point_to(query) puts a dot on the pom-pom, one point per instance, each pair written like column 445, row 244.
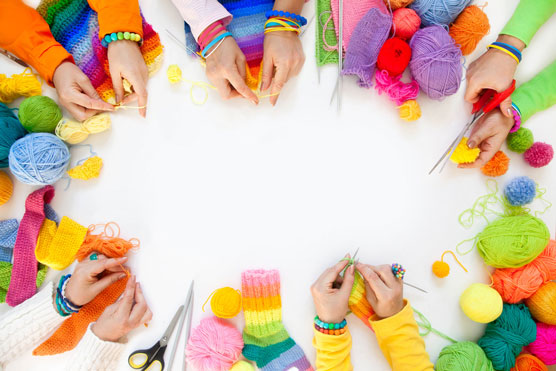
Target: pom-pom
column 544, row 347
column 405, row 23
column 463, row 154
column 520, row 191
column 520, row 141
column 435, row 62
column 87, row 170
column 10, row 131
column 173, row 73
column 440, row 269
column 39, row 114
column 397, row 4
column 528, row 362
column 242, row 366
column 439, row 12
column 214, row 345
column 6, row 188
column 481, row 303
column 24, row 84
column 463, row 356
column 394, row 56
column 410, row 110
column 469, row 28
column 498, row 165
column 539, row 155
column 542, row 304
column 397, row 90
column 225, row 302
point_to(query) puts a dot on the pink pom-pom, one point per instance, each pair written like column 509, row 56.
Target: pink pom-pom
column 397, row 91
column 405, row 22
column 214, row 345
column 544, row 347
column 539, row 155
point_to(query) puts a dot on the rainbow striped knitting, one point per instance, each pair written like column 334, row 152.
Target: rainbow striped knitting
column 266, row 340
column 75, row 25
column 358, row 303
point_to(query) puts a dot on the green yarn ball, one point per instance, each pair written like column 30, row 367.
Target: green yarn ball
column 512, row 241
column 463, row 356
column 39, row 114
column 520, row 141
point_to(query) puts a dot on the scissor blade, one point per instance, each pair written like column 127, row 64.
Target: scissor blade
column 415, row 287
column 180, row 326
column 171, row 326
column 188, row 332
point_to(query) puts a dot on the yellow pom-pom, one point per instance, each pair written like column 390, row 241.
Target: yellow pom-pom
column 410, row 110
column 440, row 269
column 463, row 154
column 242, row 366
column 6, row 188
column 24, row 84
column 226, row 302
column 481, row 303
column 88, row 170
column 174, row 73
column 97, row 123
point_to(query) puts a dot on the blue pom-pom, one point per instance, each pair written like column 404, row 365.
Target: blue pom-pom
column 520, row 191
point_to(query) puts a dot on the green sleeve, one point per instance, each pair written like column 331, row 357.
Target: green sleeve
column 537, row 94
column 528, row 17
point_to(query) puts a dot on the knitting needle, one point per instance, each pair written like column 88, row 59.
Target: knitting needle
column 415, row 287
column 340, row 54
column 181, row 44
column 187, row 308
column 188, row 329
column 399, row 272
column 307, row 25
column 13, row 58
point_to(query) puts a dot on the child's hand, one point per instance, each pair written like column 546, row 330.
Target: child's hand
column 226, row 70
column 118, row 319
column 76, row 93
column 384, row 291
column 126, row 62
column 488, row 134
column 283, row 59
column 90, row 277
column 331, row 293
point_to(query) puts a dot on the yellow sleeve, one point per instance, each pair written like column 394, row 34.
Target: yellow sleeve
column 333, row 352
column 399, row 340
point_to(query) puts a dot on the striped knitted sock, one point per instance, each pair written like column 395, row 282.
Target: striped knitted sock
column 266, row 340
column 358, row 303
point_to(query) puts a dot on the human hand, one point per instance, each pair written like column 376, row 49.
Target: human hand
column 118, row 319
column 383, row 290
column 76, row 93
column 90, row 277
column 282, row 60
column 331, row 292
column 488, row 134
column 126, row 62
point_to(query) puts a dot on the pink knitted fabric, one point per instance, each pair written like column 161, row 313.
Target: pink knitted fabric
column 354, row 10
column 24, row 272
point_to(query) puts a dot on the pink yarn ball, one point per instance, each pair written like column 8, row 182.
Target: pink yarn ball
column 405, row 22
column 214, row 345
column 544, row 347
column 539, row 155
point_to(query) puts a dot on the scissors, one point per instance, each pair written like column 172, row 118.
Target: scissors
column 489, row 100
column 153, row 359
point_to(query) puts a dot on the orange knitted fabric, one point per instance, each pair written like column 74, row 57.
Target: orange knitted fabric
column 498, row 165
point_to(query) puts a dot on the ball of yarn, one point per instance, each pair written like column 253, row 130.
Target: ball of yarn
column 6, row 188
column 528, row 362
column 481, row 303
column 74, row 132
column 214, row 345
column 242, row 366
column 435, row 62
column 10, row 131
column 410, row 110
column 507, row 335
column 440, row 269
column 520, row 191
column 544, row 347
column 394, row 56
column 469, row 28
column 226, row 302
column 497, row 166
column 39, row 114
column 520, row 141
column 397, row 4
column 439, row 12
column 540, row 154
column 24, row 84
column 512, row 241
column 463, row 356
column 405, row 23
column 39, row 159
column 173, row 73
column 542, row 304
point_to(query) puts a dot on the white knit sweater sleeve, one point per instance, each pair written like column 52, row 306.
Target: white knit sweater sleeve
column 200, row 14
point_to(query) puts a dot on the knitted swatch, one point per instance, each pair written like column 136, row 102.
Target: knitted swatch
column 354, row 10
column 266, row 340
column 358, row 303
column 75, row 25
column 6, row 273
column 24, row 272
column 326, row 41
column 367, row 39
column 8, row 234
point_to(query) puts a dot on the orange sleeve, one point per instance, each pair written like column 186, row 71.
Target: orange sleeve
column 26, row 34
column 118, row 16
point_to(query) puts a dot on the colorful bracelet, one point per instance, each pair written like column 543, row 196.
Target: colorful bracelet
column 508, row 49
column 115, row 36
column 278, row 13
column 209, row 33
column 398, row 271
column 63, row 305
column 218, row 39
column 330, row 328
column 281, row 24
column 517, row 118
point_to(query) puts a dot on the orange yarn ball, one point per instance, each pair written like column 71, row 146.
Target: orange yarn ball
column 396, row 4
column 440, row 269
column 469, row 28
column 542, row 304
column 6, row 188
column 528, row 362
column 405, row 22
column 498, row 165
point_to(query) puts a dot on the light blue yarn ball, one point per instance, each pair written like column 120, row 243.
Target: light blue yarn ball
column 39, row 159
column 520, row 191
column 440, row 12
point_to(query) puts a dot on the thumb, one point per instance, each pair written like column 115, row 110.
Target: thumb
column 506, row 106
column 478, row 135
column 349, row 277
column 268, row 69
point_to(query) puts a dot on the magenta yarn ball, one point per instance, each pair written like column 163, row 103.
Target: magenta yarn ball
column 539, row 155
column 405, row 22
column 544, row 347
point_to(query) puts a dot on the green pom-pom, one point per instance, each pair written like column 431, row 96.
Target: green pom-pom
column 520, row 141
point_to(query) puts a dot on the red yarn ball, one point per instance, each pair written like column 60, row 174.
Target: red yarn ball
column 394, row 56
column 539, row 155
column 405, row 22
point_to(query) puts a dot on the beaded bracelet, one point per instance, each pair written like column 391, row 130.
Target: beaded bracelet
column 72, row 306
column 330, row 328
column 517, row 118
column 508, row 49
column 115, row 36
column 63, row 305
column 278, row 13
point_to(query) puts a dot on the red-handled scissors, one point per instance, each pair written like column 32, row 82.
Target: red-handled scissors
column 489, row 100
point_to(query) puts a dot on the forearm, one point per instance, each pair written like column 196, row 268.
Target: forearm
column 118, row 16
column 333, row 351
column 199, row 14
column 528, row 17
column 537, row 94
column 292, row 6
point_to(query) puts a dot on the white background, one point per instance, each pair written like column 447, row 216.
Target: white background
column 217, row 189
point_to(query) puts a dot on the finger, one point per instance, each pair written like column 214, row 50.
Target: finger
column 506, row 106
column 126, row 303
column 239, row 84
column 118, row 85
column 485, row 156
column 99, row 266
column 347, row 283
column 331, row 274
column 108, row 280
column 278, row 84
column 140, row 307
column 375, row 282
column 99, row 256
column 268, row 72
column 480, row 133
column 385, row 273
column 77, row 112
column 140, row 88
column 473, row 91
column 91, row 92
column 87, row 102
column 224, row 88
column 370, row 294
column 147, row 316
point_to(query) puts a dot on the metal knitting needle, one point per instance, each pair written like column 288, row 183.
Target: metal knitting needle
column 13, row 58
column 177, row 41
column 415, row 287
column 188, row 328
column 340, row 54
column 307, row 25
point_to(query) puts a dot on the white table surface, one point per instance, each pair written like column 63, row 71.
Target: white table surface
column 217, row 189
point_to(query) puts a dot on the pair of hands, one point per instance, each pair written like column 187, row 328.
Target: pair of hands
column 331, row 291
column 80, row 98
column 90, row 278
column 282, row 60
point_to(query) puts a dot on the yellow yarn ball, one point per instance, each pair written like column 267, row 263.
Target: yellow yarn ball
column 410, row 110
column 174, row 73
column 440, row 269
column 74, row 132
column 6, row 188
column 88, row 170
column 98, row 123
column 242, row 366
column 226, row 302
column 463, row 154
column 481, row 303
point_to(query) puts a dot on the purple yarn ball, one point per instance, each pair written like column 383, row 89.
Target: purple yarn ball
column 435, row 62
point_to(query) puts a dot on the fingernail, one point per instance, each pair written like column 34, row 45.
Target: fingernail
column 471, row 144
column 509, row 112
column 254, row 102
column 121, row 276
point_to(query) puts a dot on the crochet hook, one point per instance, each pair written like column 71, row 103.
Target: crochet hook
column 13, row 58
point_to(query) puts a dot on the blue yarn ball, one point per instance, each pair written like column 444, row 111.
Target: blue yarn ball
column 440, row 12
column 520, row 191
column 10, row 131
column 39, row 159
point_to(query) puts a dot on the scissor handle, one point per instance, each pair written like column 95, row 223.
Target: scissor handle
column 145, row 358
column 492, row 99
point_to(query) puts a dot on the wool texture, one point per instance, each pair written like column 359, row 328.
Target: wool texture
column 6, row 274
column 325, row 34
column 358, row 303
column 353, row 10
column 8, row 235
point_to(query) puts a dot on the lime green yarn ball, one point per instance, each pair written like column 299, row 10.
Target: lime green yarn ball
column 463, row 356
column 481, row 303
column 512, row 241
column 520, row 141
column 242, row 366
column 39, row 114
